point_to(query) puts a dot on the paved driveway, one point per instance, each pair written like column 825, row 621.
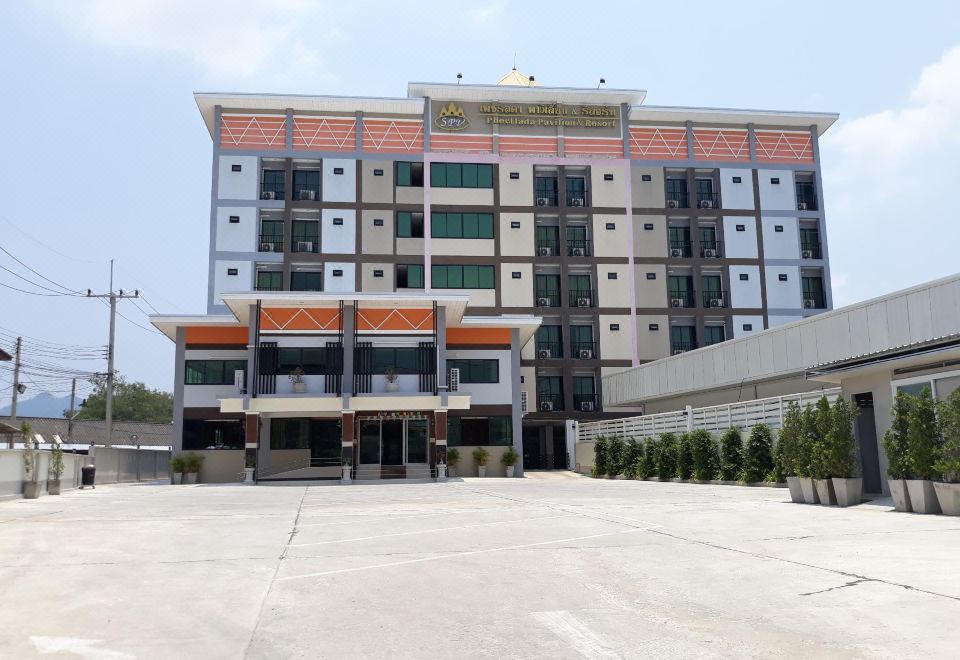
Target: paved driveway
column 572, row 568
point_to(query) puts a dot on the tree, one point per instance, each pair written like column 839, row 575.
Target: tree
column 790, row 442
column 667, row 456
column 601, row 457
column 758, row 456
column 731, row 454
column 632, row 455
column 895, row 438
column 684, row 456
column 923, row 436
column 647, row 462
column 841, row 445
column 616, row 451
column 705, row 457
column 820, row 422
column 132, row 402
column 949, row 463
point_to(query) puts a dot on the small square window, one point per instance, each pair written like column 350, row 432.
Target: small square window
column 515, row 224
column 231, row 271
column 611, row 225
column 378, row 173
column 514, row 175
column 338, row 170
column 744, row 277
column 654, row 327
column 778, row 229
column 651, row 276
column 648, row 226
column 234, row 219
column 748, row 327
column 338, row 273
column 378, row 273
column 646, row 177
column 782, row 277
column 521, row 380
column 775, row 180
column 611, row 276
column 338, row 221
column 516, row 275
column 378, row 222
column 236, row 167
column 608, row 177
column 737, row 179
column 614, row 327
column 741, row 228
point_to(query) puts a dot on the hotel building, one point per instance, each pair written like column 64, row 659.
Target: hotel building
column 494, row 249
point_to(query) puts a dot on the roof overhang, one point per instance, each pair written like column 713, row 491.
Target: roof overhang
column 519, row 94
column 168, row 323
column 527, row 325
column 761, row 118
column 945, row 350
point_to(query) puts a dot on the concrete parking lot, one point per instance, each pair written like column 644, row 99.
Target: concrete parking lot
column 530, row 568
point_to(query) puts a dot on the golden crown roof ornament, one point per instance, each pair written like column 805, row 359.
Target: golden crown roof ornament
column 451, row 110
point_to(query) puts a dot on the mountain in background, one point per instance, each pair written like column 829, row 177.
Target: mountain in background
column 42, row 405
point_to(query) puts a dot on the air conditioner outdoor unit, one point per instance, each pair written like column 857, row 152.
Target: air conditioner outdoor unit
column 583, row 302
column 801, row 206
column 268, row 194
column 544, row 251
column 453, row 381
column 546, row 406
column 577, row 252
column 706, row 204
column 716, row 302
column 586, row 406
column 576, row 201
column 676, row 252
column 266, row 247
column 523, row 401
column 544, row 353
column 308, row 195
column 672, row 204
column 709, row 253
column 676, row 302
column 806, row 254
column 542, row 201
column 585, row 354
column 809, row 303
column 240, row 379
column 543, row 302
column 304, row 246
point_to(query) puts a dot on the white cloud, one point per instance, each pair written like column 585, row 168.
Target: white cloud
column 890, row 188
column 241, row 40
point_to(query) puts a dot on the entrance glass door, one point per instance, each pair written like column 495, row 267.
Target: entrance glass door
column 370, row 442
column 417, row 441
column 392, row 442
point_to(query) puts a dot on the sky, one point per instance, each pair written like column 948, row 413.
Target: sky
column 105, row 155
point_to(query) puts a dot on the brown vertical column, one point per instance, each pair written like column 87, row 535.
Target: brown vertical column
column 251, row 439
column 439, row 444
column 346, row 436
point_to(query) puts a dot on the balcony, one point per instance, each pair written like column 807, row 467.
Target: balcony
column 584, row 350
column 682, row 299
column 549, row 402
column 548, row 247
column 678, row 347
column 549, row 350
column 677, row 200
column 270, row 243
column 806, row 196
column 306, row 192
column 810, row 251
column 581, row 298
column 586, row 403
column 547, row 298
column 812, row 300
column 547, row 198
column 680, row 249
column 305, row 243
column 579, row 247
column 708, row 200
column 271, row 190
column 711, row 249
column 578, row 198
column 714, row 299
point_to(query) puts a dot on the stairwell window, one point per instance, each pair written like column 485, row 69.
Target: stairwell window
column 462, row 277
column 409, row 175
column 461, row 225
column 461, row 175
column 409, row 225
column 410, row 276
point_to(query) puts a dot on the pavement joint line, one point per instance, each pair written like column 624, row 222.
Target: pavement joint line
column 851, row 583
column 456, row 555
column 426, row 531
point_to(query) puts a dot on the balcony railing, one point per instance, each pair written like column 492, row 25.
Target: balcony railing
column 814, row 301
column 548, row 248
column 810, row 251
column 677, row 200
column 678, row 347
column 584, row 350
column 578, row 199
column 581, row 298
column 711, row 249
column 586, row 403
column 549, row 402
column 306, row 192
column 305, row 244
column 806, row 196
column 547, row 298
column 546, row 198
column 579, row 247
column 714, row 299
column 681, row 249
column 682, row 298
column 708, row 200
column 270, row 244
column 549, row 350
column 271, row 190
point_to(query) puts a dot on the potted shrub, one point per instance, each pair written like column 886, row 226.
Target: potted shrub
column 31, row 464
column 631, row 458
column 453, row 458
column 480, row 457
column 644, row 469
column 684, row 457
column 191, row 467
column 390, row 377
column 345, row 470
column 789, row 442
column 55, row 471
column 509, row 460
column 819, row 467
column 616, row 450
column 842, row 454
column 704, row 455
column 296, row 378
column 666, row 454
column 923, row 439
column 807, row 439
column 758, row 454
column 948, row 490
column 731, row 455
column 895, row 447
column 177, row 465
column 600, row 457
column 249, row 468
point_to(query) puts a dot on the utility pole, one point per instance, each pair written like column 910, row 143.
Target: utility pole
column 73, row 399
column 16, row 390
column 114, row 297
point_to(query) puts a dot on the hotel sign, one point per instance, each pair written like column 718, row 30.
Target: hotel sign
column 453, row 116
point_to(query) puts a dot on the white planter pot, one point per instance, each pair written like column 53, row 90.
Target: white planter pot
column 510, row 469
column 345, row 475
column 809, row 491
column 796, row 492
column 392, row 387
column 848, row 490
column 248, row 475
column 923, row 497
column 899, row 494
column 948, row 495
column 441, row 472
column 189, row 477
column 825, row 492
column 299, row 388
column 178, row 478
column 481, row 470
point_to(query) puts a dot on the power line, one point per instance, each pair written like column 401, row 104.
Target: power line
column 34, row 293
column 39, row 274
